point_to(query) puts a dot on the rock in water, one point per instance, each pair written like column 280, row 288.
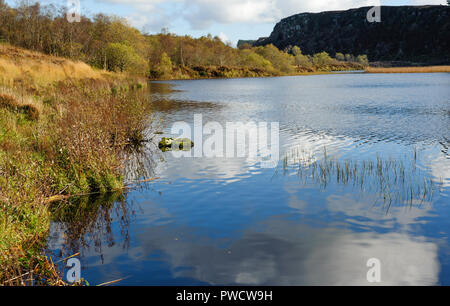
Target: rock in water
column 168, row 144
column 165, row 142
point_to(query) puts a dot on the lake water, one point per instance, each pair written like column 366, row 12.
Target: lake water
column 364, row 173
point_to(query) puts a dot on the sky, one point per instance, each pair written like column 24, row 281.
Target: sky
column 231, row 20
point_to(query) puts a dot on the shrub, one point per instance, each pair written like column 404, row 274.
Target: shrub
column 322, row 60
column 280, row 60
column 165, row 65
column 349, row 58
column 363, row 60
column 296, row 51
column 121, row 57
column 340, row 57
column 250, row 59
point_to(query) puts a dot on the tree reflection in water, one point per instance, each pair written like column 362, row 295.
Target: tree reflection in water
column 85, row 222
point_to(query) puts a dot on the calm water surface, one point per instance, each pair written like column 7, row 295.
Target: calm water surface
column 217, row 221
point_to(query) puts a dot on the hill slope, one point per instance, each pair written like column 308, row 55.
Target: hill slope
column 407, row 33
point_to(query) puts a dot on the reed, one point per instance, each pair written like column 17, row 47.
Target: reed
column 428, row 69
column 392, row 180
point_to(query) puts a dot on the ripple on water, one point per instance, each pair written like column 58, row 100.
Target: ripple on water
column 228, row 221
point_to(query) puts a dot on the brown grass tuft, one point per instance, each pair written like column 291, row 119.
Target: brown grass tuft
column 26, row 105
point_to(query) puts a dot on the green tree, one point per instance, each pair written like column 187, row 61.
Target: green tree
column 250, row 59
column 301, row 61
column 296, row 51
column 282, row 61
column 349, row 58
column 165, row 67
column 362, row 59
column 120, row 57
column 340, row 57
column 322, row 60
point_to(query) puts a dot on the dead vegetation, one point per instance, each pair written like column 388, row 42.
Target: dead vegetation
column 18, row 65
column 21, row 104
column 428, row 69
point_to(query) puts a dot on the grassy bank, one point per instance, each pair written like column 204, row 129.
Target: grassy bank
column 428, row 69
column 63, row 128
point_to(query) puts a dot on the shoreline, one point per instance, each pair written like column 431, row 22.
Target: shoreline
column 423, row 69
column 368, row 70
column 259, row 77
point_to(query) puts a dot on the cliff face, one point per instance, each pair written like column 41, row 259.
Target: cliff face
column 408, row 33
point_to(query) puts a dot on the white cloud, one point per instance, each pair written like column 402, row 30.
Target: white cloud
column 224, row 37
column 201, row 14
column 429, row 2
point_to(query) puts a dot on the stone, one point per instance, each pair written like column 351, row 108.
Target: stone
column 169, row 144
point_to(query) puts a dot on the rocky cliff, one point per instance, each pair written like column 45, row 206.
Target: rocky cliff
column 406, row 33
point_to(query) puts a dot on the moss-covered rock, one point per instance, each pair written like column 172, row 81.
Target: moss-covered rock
column 169, row 144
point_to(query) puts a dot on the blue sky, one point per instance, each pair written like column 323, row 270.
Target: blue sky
column 229, row 19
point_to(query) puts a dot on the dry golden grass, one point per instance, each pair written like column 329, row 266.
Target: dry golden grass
column 428, row 69
column 9, row 99
column 36, row 68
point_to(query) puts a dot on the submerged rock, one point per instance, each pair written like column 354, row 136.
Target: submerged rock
column 169, row 144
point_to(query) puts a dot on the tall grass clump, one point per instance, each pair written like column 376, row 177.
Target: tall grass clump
column 95, row 130
column 392, row 180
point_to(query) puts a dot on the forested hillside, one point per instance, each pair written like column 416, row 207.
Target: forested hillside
column 110, row 43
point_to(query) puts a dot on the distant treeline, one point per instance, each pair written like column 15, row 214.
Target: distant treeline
column 110, row 43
